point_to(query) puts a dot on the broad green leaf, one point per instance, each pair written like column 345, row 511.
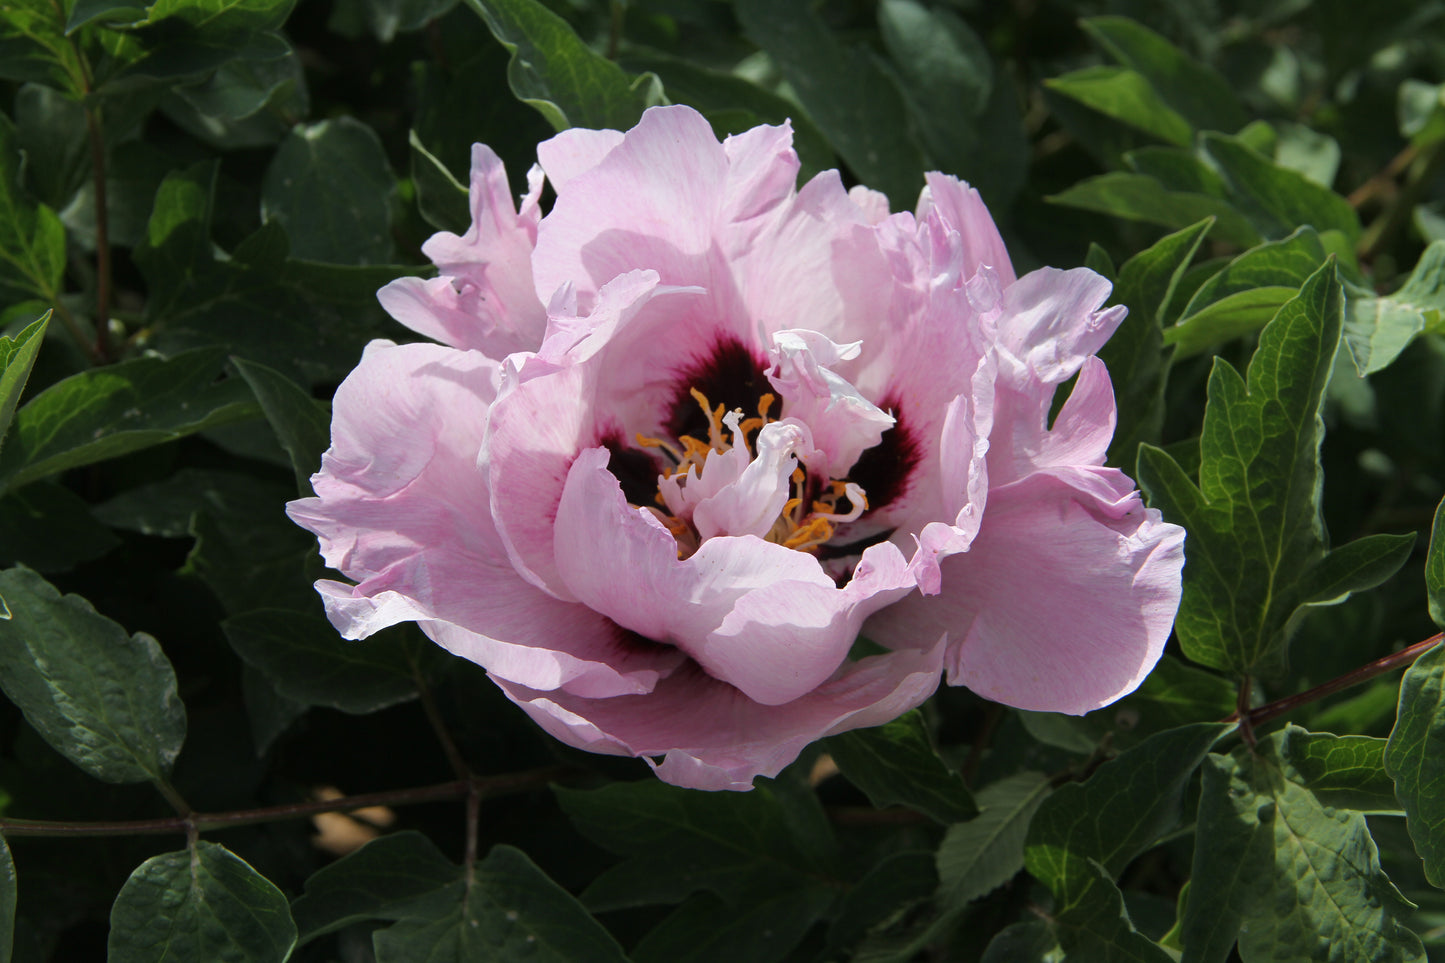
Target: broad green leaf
column 1258, row 552
column 1128, row 96
column 1276, row 200
column 1435, row 567
column 302, row 424
column 1126, row 805
column 1196, row 91
column 896, row 764
column 380, row 881
column 982, row 854
column 105, row 700
column 1415, row 757
column 32, row 239
column 1226, row 319
column 892, row 886
column 1029, row 942
column 164, row 508
column 49, row 528
column 1421, row 108
column 1378, row 329
column 84, row 12
column 251, row 555
column 1284, row 263
column 705, row 929
column 7, row 902
column 678, row 841
column 330, row 187
column 223, row 16
column 244, row 102
column 968, row 124
column 1285, row 873
column 511, row 912
column 1344, row 772
column 17, row 357
column 558, row 74
column 386, row 18
column 307, row 661
column 856, row 105
column 1139, row 197
column 119, row 409
column 33, row 46
column 440, row 198
column 1135, row 353
column 201, row 904
column 1097, row 926
column 50, row 130
column 306, row 319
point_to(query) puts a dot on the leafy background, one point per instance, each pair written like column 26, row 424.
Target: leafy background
column 198, row 200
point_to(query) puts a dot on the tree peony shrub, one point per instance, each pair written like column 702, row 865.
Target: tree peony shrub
column 690, row 433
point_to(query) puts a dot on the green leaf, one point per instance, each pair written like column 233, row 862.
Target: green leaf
column 1285, row 873
column 380, row 881
column 1125, row 95
column 893, row 885
column 968, row 123
column 307, row 661
column 251, row 555
column 7, row 902
column 982, row 854
column 1284, row 263
column 1378, row 329
column 1226, row 319
column 1031, row 942
column 32, row 239
column 1196, row 91
column 678, row 841
column 511, row 912
column 1127, row 804
column 1415, row 757
column 84, row 12
column 1276, row 200
column 302, row 424
column 705, row 929
column 387, row 18
column 17, row 357
column 896, row 764
column 1343, row 772
column 330, row 187
column 165, row 508
column 49, row 528
column 440, row 197
column 1435, row 567
column 856, row 105
column 1097, row 926
column 1135, row 353
column 33, row 46
column 1139, row 197
column 105, row 700
column 201, row 904
column 1258, row 552
column 558, row 74
column 119, row 409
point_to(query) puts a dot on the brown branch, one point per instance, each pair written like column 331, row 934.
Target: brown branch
column 1395, row 660
column 481, row 787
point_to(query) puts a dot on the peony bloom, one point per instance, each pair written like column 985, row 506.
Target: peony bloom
column 690, row 433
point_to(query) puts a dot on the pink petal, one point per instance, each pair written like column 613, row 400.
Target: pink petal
column 764, row 170
column 575, row 152
column 1064, row 601
column 714, row 737
column 401, row 507
column 963, row 211
column 484, row 298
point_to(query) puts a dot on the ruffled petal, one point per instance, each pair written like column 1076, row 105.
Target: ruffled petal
column 484, row 298
column 713, row 737
column 401, row 507
column 843, row 423
column 964, row 212
column 1064, row 601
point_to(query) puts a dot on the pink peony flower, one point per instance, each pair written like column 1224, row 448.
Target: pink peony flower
column 690, row 433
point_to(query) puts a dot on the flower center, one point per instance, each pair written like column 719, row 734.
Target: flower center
column 744, row 478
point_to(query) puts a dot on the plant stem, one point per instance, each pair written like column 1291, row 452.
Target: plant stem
column 1248, row 718
column 481, row 787
column 177, row 801
column 1422, row 167
column 434, row 716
